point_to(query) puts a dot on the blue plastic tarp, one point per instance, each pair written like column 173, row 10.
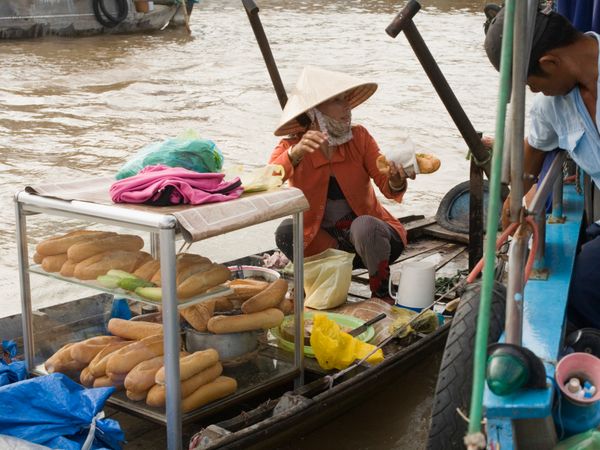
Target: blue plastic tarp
column 57, row 412
column 583, row 14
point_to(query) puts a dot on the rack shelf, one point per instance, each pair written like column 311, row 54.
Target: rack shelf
column 89, row 201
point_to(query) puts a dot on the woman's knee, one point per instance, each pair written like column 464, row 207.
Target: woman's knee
column 284, row 237
column 365, row 228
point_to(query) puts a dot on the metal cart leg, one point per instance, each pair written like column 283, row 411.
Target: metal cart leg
column 25, row 285
column 299, row 297
column 171, row 337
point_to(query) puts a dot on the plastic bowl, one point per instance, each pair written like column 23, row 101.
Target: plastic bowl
column 254, row 272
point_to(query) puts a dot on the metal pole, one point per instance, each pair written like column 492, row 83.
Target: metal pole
column 557, row 199
column 517, row 116
column 403, row 22
column 475, row 215
column 25, row 285
column 515, row 286
column 298, row 232
column 171, row 337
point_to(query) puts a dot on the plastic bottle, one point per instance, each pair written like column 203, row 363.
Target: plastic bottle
column 573, row 385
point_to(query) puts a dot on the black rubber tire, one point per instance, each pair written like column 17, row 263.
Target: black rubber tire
column 453, row 389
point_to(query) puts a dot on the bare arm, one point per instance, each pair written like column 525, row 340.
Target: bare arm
column 533, row 159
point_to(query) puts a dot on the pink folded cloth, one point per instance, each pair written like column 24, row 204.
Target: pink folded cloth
column 161, row 185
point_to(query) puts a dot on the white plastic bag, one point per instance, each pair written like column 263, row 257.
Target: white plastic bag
column 327, row 278
column 403, row 154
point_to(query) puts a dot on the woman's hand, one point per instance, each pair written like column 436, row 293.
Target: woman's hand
column 397, row 176
column 311, row 140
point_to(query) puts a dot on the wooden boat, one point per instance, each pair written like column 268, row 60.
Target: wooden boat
column 37, row 18
column 269, row 416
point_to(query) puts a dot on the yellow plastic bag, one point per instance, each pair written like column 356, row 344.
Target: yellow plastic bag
column 335, row 349
column 257, row 179
column 327, row 278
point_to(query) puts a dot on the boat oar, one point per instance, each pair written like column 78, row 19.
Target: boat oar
column 263, row 43
column 403, row 22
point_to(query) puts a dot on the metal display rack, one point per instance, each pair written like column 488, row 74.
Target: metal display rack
column 164, row 229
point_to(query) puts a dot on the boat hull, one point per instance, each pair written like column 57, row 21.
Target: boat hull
column 37, row 18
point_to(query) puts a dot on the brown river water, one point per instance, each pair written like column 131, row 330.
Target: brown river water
column 76, row 108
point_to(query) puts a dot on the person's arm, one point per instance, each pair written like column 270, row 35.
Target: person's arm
column 391, row 186
column 533, row 159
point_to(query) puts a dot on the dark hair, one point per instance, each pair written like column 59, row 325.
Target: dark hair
column 551, row 31
column 556, row 32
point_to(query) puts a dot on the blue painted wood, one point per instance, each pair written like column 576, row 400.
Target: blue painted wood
column 544, row 314
column 500, row 434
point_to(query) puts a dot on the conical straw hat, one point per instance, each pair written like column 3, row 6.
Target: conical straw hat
column 315, row 86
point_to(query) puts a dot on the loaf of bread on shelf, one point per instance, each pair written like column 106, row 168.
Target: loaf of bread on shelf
column 84, row 351
column 86, row 378
column 60, row 244
column 133, row 329
column 198, row 315
column 192, row 364
column 126, row 358
column 68, row 268
column 136, row 396
column 100, row 263
column 141, row 377
column 266, row 319
column 286, row 306
column 107, row 382
column 268, row 298
column 246, row 288
column 124, row 242
column 215, row 390
column 186, row 264
column 54, row 263
column 37, row 258
column 147, row 270
column 157, row 394
column 63, row 362
column 200, row 282
column 97, row 365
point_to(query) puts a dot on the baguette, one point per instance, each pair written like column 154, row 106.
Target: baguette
column 198, row 315
column 147, row 270
column 60, row 244
column 99, row 264
column 141, row 377
column 133, row 329
column 246, row 288
column 126, row 358
column 124, row 242
column 184, row 262
column 286, row 306
column 202, row 281
column 427, row 163
column 190, row 365
column 62, row 361
column 200, row 266
column 157, row 395
column 266, row 319
column 86, row 377
column 86, row 350
column 68, row 268
column 221, row 387
column 107, row 382
column 54, row 263
column 269, row 298
column 98, row 364
column 37, row 258
column 136, row 396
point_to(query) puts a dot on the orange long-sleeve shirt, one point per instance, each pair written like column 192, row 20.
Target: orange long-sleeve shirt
column 353, row 165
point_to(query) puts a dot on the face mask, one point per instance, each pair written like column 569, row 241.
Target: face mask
column 338, row 131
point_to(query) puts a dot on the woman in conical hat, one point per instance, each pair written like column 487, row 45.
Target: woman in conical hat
column 333, row 162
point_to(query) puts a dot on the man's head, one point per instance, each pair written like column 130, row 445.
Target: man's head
column 546, row 71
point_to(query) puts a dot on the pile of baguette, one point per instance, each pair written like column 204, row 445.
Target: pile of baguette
column 132, row 359
column 194, row 274
column 87, row 254
column 263, row 306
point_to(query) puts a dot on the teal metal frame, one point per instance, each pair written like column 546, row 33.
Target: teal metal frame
column 543, row 325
